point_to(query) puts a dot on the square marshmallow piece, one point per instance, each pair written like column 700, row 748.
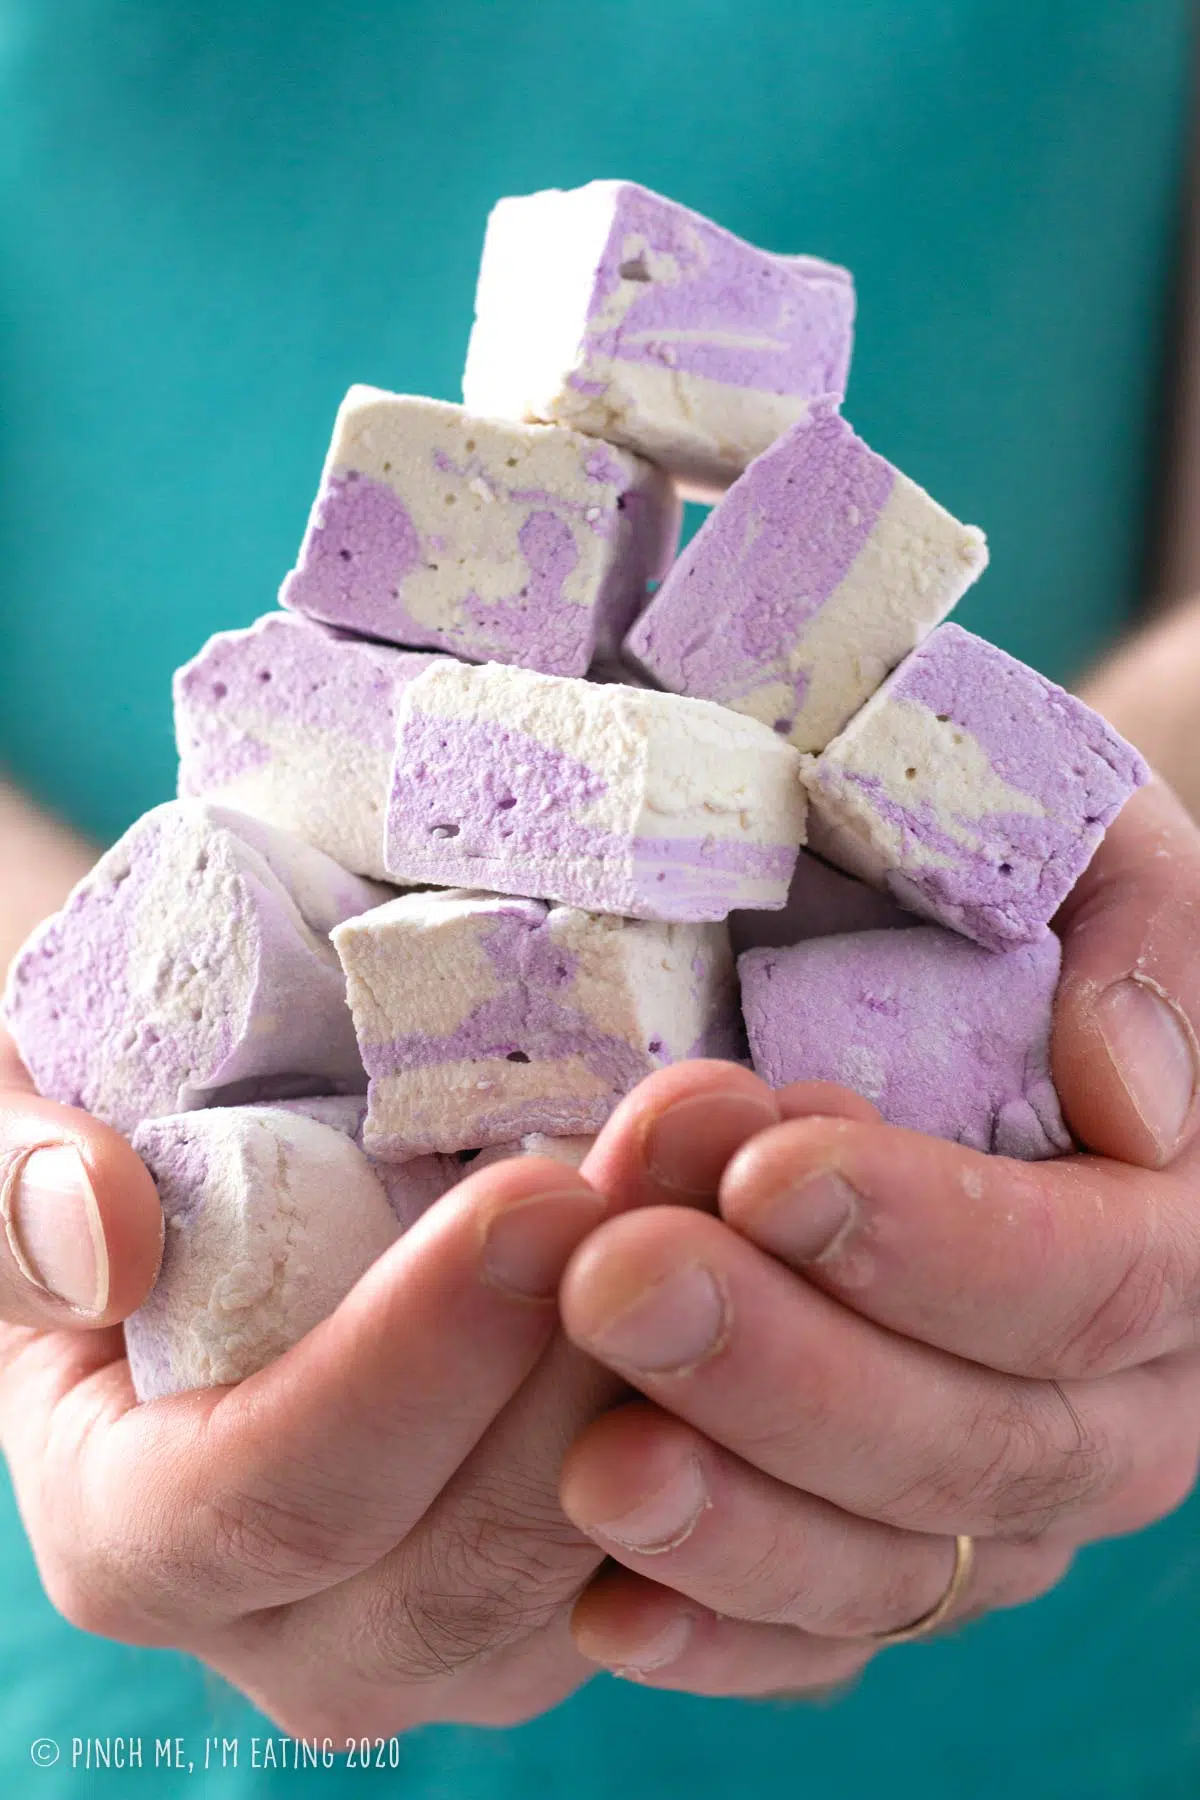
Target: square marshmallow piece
column 611, row 309
column 500, row 542
column 190, row 967
column 295, row 724
column 939, row 1034
column 972, row 789
column 614, row 799
column 815, row 575
column 482, row 1019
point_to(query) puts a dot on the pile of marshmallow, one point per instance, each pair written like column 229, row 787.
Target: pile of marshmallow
column 590, row 764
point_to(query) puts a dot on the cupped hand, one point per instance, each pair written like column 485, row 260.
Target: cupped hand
column 884, row 1341
column 365, row 1535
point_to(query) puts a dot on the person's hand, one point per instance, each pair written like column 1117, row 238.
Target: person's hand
column 886, row 1340
column 364, row 1536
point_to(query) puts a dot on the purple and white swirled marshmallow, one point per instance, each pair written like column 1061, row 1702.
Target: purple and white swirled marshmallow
column 612, row 309
column 942, row 1036
column 497, row 541
column 482, row 1019
column 814, row 576
column 271, row 1217
column 295, row 724
column 972, row 789
column 190, row 967
column 613, row 799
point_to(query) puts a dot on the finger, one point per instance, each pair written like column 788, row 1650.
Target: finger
column 648, row 1634
column 205, row 1505
column 672, row 1136
column 805, row 1390
column 672, row 1506
column 13, row 1073
column 1124, row 1047
column 670, row 1139
column 82, row 1225
column 1063, row 1269
column 824, row 1100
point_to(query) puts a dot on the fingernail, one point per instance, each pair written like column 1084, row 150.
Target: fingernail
column 658, row 1652
column 687, row 1146
column 670, row 1326
column 54, row 1228
column 665, row 1518
column 1153, row 1051
column 529, row 1243
column 665, row 1647
column 809, row 1223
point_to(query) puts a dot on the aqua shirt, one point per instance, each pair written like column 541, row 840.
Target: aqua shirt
column 214, row 220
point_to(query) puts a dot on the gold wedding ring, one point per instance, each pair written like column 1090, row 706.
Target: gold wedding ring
column 964, row 1557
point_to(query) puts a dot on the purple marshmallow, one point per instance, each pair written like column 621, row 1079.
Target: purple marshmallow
column 483, row 1019
column 942, row 1036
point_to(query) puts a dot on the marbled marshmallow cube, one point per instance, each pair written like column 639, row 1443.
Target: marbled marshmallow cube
column 191, row 967
column 972, row 789
column 495, row 540
column 942, row 1036
column 817, row 573
column 482, row 1018
column 270, row 1219
column 623, row 314
column 614, row 799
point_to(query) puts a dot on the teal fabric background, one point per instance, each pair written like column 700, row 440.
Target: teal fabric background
column 215, row 218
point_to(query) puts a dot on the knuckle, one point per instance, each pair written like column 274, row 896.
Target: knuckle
column 100, row 1586
column 85, row 1603
column 492, row 1580
column 1018, row 1466
column 1048, row 1463
column 257, row 1534
column 429, row 1631
column 781, row 1439
column 1125, row 1324
column 788, row 1578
